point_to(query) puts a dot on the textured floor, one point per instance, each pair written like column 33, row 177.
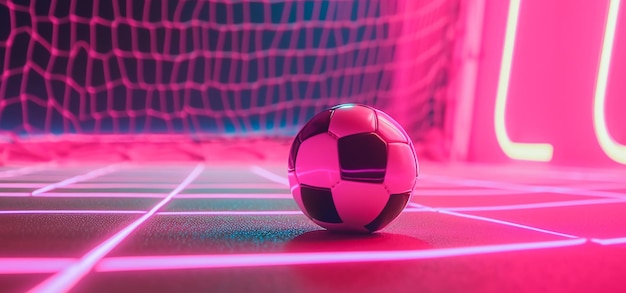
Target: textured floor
column 229, row 228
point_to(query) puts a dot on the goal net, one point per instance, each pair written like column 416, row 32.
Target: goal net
column 202, row 70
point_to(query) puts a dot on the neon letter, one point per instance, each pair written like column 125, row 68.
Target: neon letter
column 613, row 149
column 514, row 150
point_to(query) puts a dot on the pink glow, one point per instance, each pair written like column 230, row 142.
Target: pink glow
column 66, row 279
column 145, row 263
column 90, row 175
column 24, row 265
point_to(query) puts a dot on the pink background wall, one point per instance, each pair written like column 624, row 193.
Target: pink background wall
column 553, row 76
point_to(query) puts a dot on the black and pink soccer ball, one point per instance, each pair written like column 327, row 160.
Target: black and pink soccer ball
column 352, row 168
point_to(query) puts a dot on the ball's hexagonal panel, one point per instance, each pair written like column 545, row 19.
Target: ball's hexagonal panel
column 362, row 157
column 352, row 119
column 393, row 208
column 317, row 163
column 389, row 129
column 401, row 169
column 318, row 203
column 318, row 124
column 359, row 203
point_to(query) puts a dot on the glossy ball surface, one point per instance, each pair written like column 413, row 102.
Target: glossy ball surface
column 352, row 168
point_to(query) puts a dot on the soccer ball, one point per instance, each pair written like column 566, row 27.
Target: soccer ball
column 352, row 168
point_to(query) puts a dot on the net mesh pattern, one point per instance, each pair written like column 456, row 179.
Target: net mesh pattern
column 219, row 67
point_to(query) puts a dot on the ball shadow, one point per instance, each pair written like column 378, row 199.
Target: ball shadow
column 323, row 240
column 353, row 276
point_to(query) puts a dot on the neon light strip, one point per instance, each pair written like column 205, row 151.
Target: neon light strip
column 15, row 194
column 519, row 151
column 139, row 263
column 269, row 175
column 167, row 185
column 610, row 241
column 26, row 265
column 171, row 262
column 34, row 212
column 612, row 148
column 92, row 174
column 158, row 195
column 230, row 213
column 66, row 279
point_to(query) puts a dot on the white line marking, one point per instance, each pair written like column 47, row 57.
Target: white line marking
column 146, row 263
column 609, row 241
column 553, row 204
column 83, row 177
column 269, row 175
column 172, row 213
column 507, row 223
column 66, row 279
column 26, row 170
column 19, row 185
column 491, row 220
column 526, row 188
column 465, row 192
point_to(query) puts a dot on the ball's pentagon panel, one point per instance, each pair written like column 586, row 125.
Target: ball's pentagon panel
column 389, row 129
column 362, row 157
column 318, row 124
column 359, row 203
column 393, row 208
column 318, row 203
column 352, row 119
column 401, row 168
column 315, row 167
